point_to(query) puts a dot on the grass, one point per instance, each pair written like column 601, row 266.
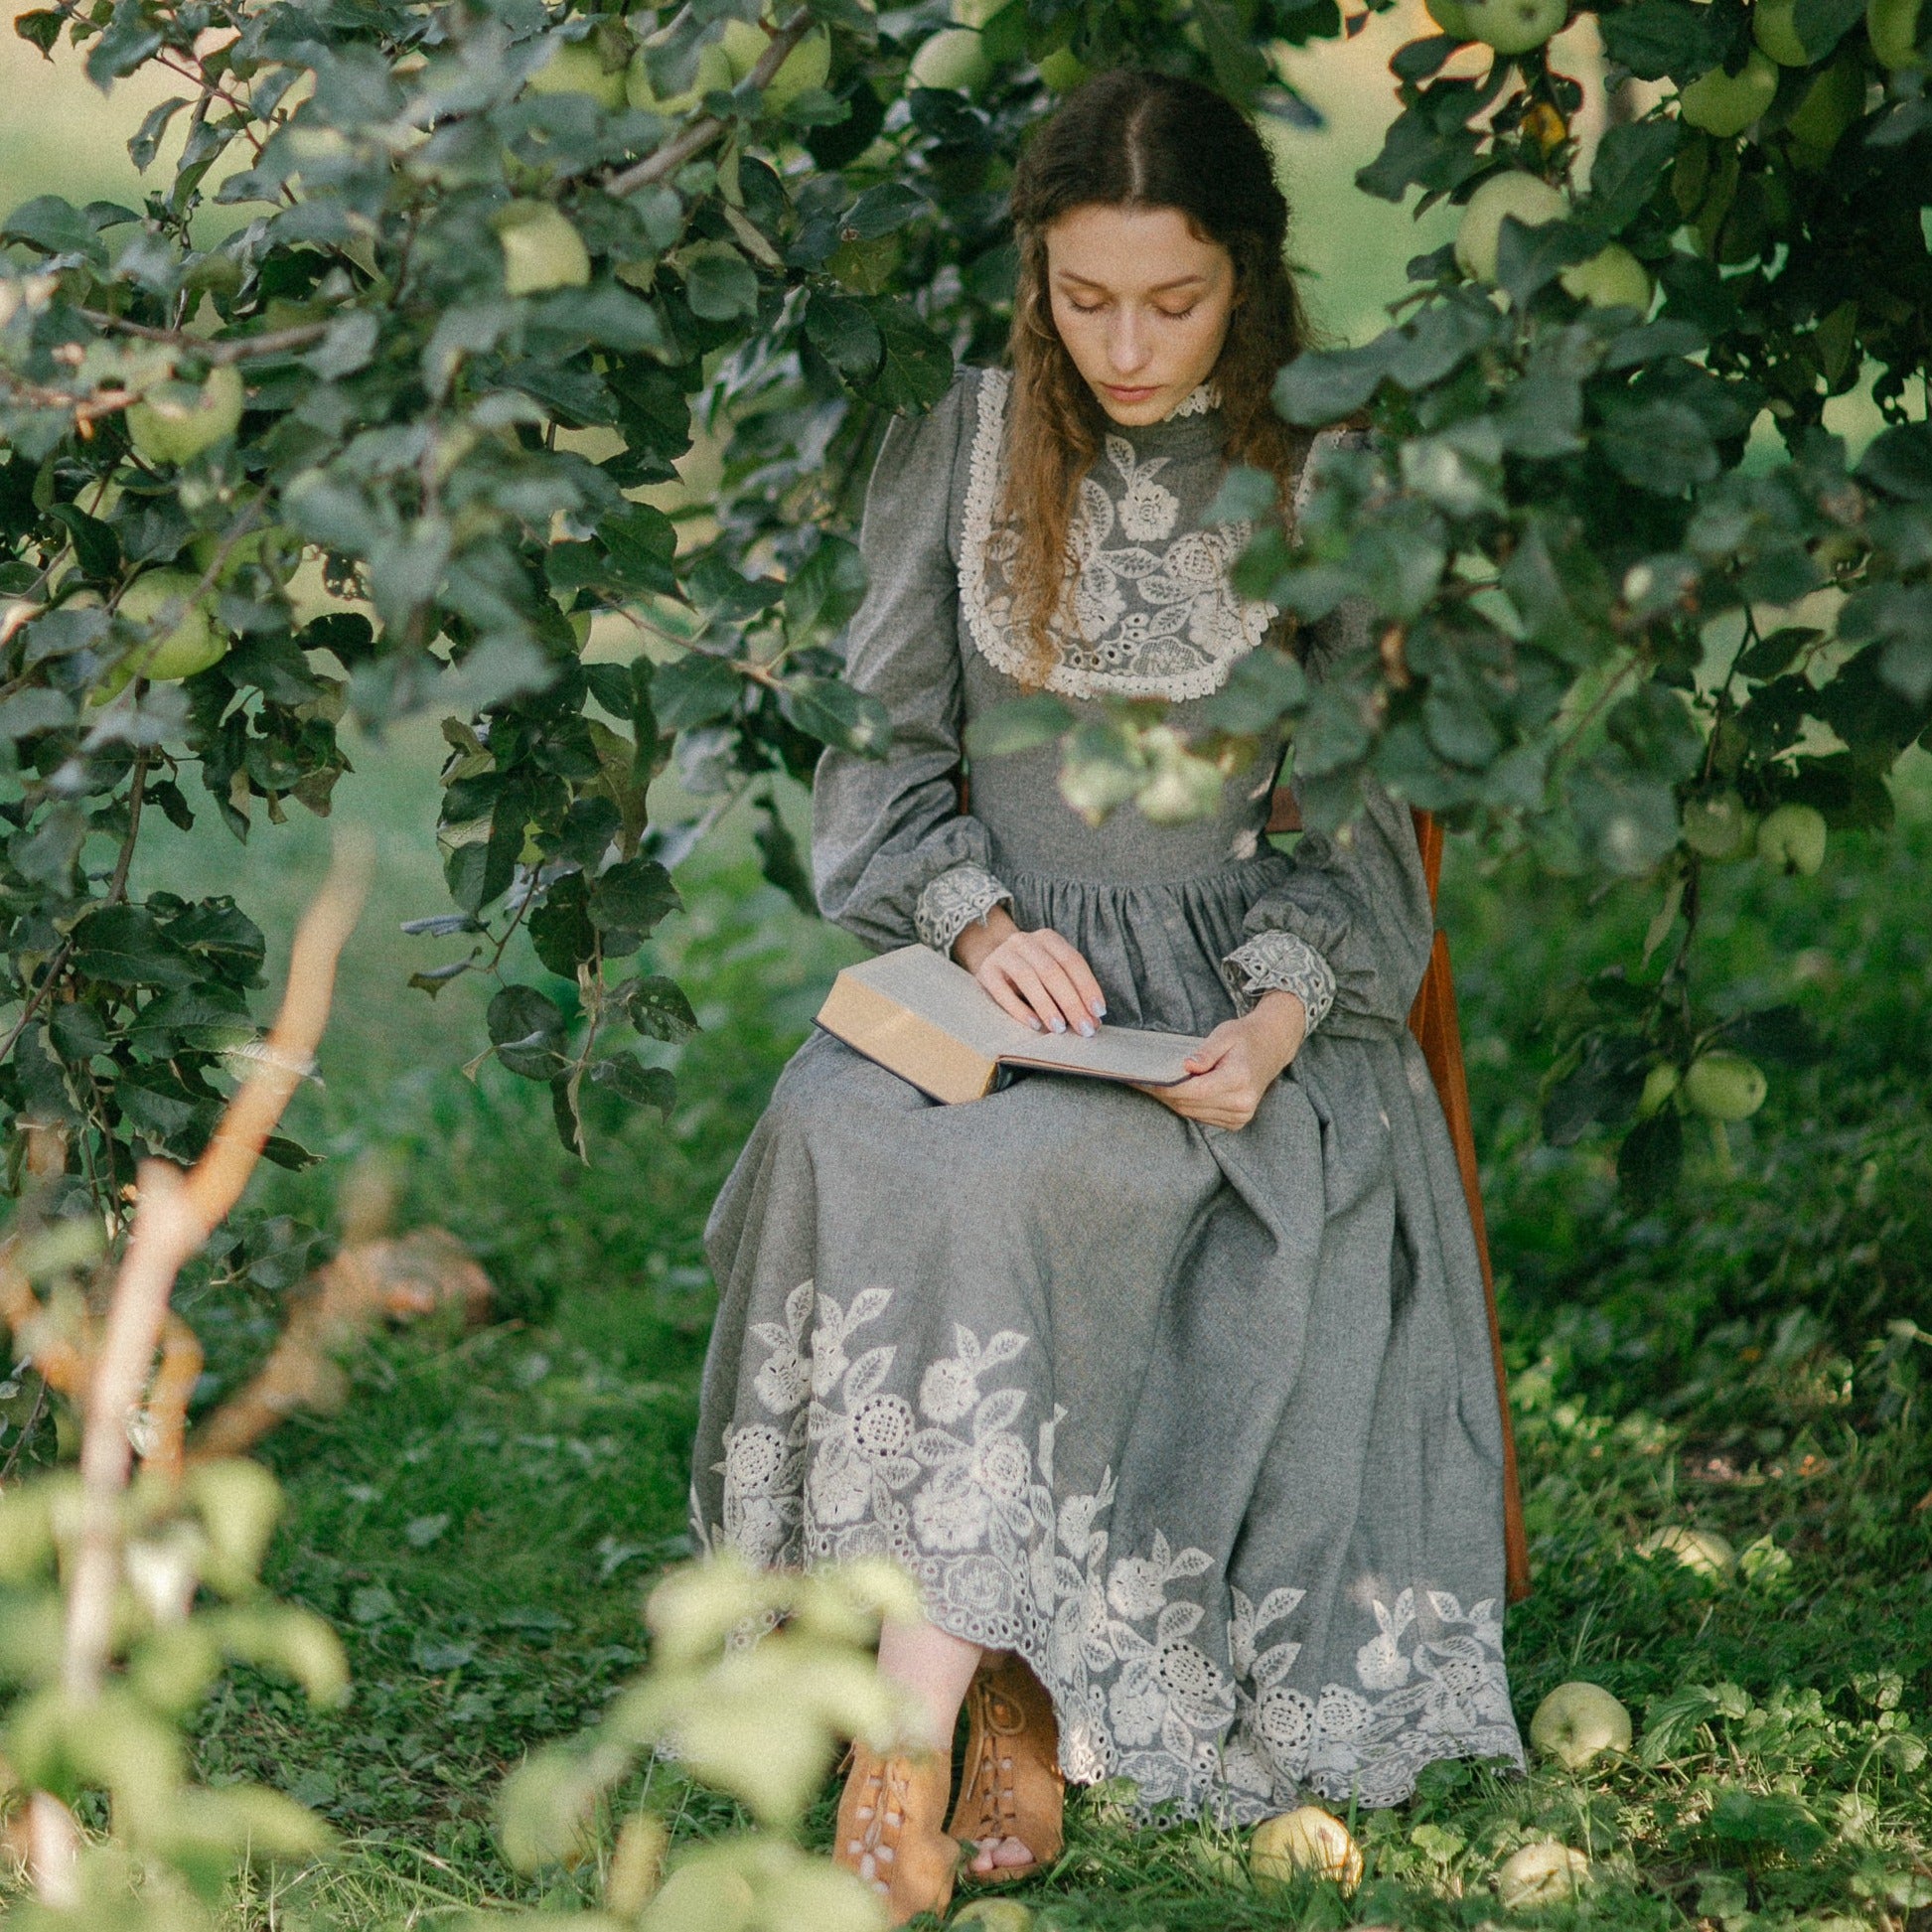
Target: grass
column 481, row 1515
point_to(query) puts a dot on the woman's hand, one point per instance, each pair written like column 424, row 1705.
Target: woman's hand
column 1038, row 977
column 1237, row 1063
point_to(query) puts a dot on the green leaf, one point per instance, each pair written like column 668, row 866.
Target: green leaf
column 126, row 946
column 561, row 934
column 1820, row 24
column 825, row 590
column 657, row 1007
column 720, row 283
column 830, row 710
column 632, row 897
column 779, row 860
column 693, row 690
column 1660, row 446
column 41, row 28
column 1898, row 461
column 881, row 211
column 95, row 546
column 1261, row 690
column 528, row 1030
column 915, row 365
column 844, row 334
column 1651, row 1160
column 1665, row 39
column 1323, row 385
column 146, row 143
column 55, row 228
column 629, row 1079
column 1018, row 725
column 1630, row 162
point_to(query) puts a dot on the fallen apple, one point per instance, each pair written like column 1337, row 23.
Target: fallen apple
column 993, row 1915
column 1725, row 1086
column 1307, row 1840
column 952, row 59
column 713, row 75
column 1545, row 1873
column 1792, row 839
column 1660, row 1084
column 1576, row 1723
column 1892, row 25
column 176, row 422
column 1774, row 27
column 541, row 250
column 1528, row 198
column 1728, row 103
column 1703, row 1551
column 1719, row 826
column 1514, row 26
column 191, row 642
column 1612, row 279
column 579, row 68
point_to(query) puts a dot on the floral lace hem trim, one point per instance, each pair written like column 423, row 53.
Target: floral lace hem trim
column 1280, row 962
column 954, row 901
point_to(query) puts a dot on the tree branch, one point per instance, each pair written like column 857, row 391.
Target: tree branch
column 693, row 139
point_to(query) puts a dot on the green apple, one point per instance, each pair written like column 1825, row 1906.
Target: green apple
column 1703, row 1551
column 579, row 68
column 953, row 57
column 1062, row 70
column 176, row 422
column 1452, row 16
column 1725, row 1086
column 806, row 66
column 1660, row 1084
column 1831, row 104
column 1892, row 27
column 1792, row 839
column 1719, row 826
column 1544, row 1873
column 191, row 645
column 1775, row 29
column 1307, row 1840
column 714, row 75
column 1514, row 26
column 1576, row 1721
column 975, row 13
column 992, row 1915
column 541, row 250
column 1529, row 198
column 1728, row 103
column 1612, row 279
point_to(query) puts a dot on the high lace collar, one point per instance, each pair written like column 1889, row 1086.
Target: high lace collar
column 1197, row 402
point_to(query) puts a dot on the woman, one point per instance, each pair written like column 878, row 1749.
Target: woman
column 1179, row 1403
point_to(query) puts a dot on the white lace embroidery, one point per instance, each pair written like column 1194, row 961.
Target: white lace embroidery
column 1280, row 963
column 1197, row 402
column 954, row 1489
column 1147, row 623
column 953, row 901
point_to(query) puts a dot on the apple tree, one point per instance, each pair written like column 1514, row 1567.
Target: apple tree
column 357, row 413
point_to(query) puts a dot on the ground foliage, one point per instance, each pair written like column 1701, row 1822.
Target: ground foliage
column 482, row 1517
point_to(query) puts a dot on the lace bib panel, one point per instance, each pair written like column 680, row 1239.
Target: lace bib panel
column 1155, row 615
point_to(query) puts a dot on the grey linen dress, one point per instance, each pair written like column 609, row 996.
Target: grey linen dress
column 1202, row 1423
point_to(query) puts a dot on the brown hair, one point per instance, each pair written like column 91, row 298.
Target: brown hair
column 1133, row 138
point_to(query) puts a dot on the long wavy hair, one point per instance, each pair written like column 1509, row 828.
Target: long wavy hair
column 1133, row 138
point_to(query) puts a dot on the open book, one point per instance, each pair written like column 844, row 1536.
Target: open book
column 931, row 1023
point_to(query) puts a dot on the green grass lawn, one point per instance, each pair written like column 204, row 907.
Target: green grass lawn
column 482, row 1516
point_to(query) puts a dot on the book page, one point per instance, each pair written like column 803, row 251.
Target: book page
column 950, row 997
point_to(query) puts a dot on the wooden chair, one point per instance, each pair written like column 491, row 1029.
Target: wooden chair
column 1432, row 1020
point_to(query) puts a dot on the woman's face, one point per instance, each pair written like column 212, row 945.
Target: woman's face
column 1141, row 301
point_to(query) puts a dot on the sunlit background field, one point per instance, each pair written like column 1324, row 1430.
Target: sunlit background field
column 481, row 1515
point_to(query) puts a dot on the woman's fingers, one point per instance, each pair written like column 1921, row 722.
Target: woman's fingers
column 1025, row 975
column 1086, row 987
column 1010, row 999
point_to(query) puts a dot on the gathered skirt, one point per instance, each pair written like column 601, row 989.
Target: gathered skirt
column 1200, row 1422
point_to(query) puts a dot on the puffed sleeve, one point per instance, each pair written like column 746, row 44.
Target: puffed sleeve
column 1351, row 928
column 894, row 858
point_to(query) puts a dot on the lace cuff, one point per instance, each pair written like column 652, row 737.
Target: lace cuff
column 1280, row 963
column 953, row 901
